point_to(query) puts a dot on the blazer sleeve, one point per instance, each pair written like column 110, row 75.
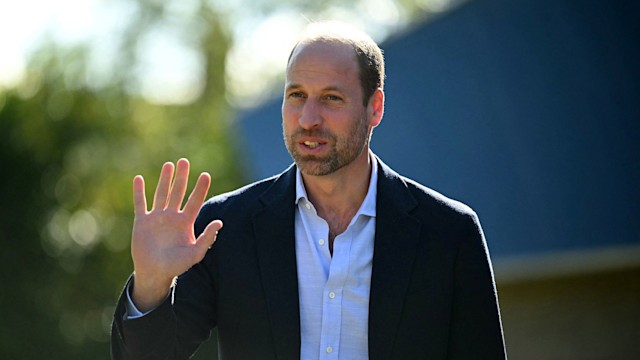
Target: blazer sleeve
column 174, row 330
column 476, row 330
column 147, row 337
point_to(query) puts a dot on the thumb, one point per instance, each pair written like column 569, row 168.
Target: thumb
column 208, row 236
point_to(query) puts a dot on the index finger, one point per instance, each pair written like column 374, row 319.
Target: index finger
column 139, row 197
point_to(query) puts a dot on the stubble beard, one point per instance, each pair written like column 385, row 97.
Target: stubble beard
column 343, row 150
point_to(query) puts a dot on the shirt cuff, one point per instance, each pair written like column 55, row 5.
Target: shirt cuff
column 132, row 310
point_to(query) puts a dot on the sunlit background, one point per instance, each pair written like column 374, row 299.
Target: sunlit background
column 169, row 63
column 94, row 92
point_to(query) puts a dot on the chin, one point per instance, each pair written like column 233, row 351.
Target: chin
column 315, row 167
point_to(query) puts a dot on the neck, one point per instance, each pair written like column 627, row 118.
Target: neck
column 338, row 196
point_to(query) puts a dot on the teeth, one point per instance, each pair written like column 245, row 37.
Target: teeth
column 311, row 144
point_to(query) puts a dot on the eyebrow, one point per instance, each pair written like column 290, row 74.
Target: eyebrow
column 294, row 86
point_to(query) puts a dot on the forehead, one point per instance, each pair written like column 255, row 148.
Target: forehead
column 323, row 60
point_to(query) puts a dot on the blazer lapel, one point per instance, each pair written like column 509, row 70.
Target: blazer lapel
column 395, row 245
column 274, row 230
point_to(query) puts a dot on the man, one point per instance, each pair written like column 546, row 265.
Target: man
column 337, row 257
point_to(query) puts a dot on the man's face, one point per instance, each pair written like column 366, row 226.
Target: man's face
column 325, row 124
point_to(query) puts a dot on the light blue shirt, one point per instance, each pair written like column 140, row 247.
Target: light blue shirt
column 334, row 291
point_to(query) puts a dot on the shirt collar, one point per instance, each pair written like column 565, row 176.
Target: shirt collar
column 368, row 206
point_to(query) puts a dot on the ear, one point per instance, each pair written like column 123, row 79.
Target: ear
column 375, row 108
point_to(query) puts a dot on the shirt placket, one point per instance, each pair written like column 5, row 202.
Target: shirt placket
column 333, row 298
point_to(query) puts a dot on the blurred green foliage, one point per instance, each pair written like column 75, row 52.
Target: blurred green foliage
column 69, row 153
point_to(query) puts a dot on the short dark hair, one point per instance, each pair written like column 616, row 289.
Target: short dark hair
column 368, row 53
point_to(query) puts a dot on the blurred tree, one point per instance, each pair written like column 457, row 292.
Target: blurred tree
column 70, row 151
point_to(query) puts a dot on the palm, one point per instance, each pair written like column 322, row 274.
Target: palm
column 163, row 242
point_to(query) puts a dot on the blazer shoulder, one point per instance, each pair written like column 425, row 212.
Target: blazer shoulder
column 395, row 186
column 421, row 197
column 436, row 200
column 451, row 219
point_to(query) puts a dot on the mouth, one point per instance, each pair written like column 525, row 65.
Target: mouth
column 311, row 144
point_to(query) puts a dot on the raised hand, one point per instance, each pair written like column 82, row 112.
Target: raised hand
column 163, row 244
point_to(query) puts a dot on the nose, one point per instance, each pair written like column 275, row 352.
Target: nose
column 310, row 116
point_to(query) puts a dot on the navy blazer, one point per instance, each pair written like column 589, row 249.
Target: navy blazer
column 432, row 290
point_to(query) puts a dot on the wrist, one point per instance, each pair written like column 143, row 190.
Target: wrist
column 148, row 293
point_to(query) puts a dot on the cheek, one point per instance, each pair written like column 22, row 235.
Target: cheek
column 289, row 116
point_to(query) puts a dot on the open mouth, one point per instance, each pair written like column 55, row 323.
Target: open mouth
column 311, row 144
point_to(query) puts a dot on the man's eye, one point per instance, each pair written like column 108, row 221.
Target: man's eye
column 296, row 95
column 333, row 98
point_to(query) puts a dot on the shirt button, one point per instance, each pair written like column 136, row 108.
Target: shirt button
column 321, row 242
column 329, row 349
column 307, row 206
column 332, row 295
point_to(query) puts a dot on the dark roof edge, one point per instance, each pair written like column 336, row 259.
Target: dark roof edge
column 524, row 268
